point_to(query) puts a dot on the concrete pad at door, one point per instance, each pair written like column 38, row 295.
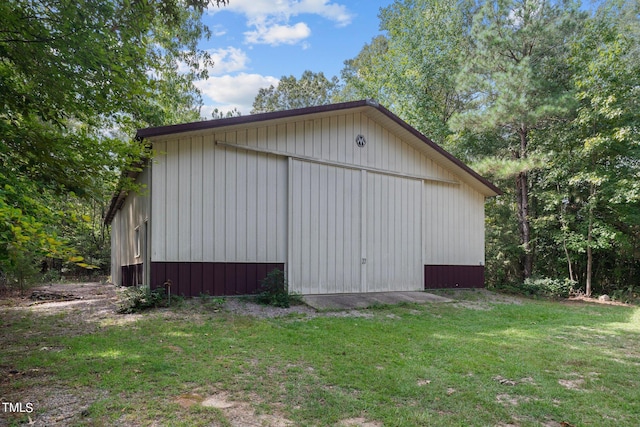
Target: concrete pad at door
column 351, row 301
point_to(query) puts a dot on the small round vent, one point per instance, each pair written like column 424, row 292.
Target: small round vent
column 361, row 141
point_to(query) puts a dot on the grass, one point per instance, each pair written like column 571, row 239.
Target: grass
column 537, row 363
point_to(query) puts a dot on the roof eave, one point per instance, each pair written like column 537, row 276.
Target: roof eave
column 252, row 118
column 493, row 190
column 117, row 200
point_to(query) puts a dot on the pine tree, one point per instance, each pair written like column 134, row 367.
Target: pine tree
column 516, row 78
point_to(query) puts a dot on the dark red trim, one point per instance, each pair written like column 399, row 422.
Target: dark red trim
column 252, row 118
column 192, row 279
column 453, row 276
column 218, row 279
column 131, row 275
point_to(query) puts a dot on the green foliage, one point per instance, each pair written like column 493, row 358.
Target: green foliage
column 410, row 68
column 515, row 80
column 21, row 268
column 545, row 287
column 310, row 90
column 362, row 76
column 629, row 294
column 136, row 299
column 51, row 276
column 213, row 302
column 275, row 291
column 77, row 78
column 503, row 248
column 589, row 191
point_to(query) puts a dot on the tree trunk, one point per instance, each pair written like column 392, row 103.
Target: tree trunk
column 566, row 252
column 589, row 263
column 589, row 243
column 563, row 224
column 522, row 195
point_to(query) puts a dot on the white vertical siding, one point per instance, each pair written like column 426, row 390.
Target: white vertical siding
column 333, row 139
column 116, row 244
column 319, row 211
column 453, row 225
column 197, row 199
column 171, row 206
column 341, row 216
column 133, row 214
column 184, row 237
column 393, row 233
column 209, row 201
column 218, row 204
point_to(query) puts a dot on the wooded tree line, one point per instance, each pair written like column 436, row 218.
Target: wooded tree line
column 76, row 79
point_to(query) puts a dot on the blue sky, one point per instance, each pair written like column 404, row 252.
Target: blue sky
column 255, row 42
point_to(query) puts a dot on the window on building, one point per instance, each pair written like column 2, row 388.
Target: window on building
column 136, row 242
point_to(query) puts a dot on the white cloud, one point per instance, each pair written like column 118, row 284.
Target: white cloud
column 276, row 34
column 284, row 9
column 218, row 30
column 269, row 19
column 238, row 91
column 225, row 60
column 228, row 60
column 333, row 11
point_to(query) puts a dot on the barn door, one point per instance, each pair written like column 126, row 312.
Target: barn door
column 324, row 229
column 393, row 233
column 353, row 231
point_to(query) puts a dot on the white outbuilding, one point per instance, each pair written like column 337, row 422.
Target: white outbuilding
column 345, row 198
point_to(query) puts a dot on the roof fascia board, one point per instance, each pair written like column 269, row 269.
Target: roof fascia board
column 250, row 119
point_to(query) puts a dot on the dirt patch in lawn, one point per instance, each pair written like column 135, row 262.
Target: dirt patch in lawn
column 42, row 402
column 236, row 413
column 584, row 299
column 240, row 414
column 85, row 307
column 359, row 422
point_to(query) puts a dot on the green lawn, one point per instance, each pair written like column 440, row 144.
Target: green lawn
column 532, row 364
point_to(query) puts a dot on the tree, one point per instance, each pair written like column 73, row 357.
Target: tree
column 365, row 76
column 607, row 80
column 76, row 77
column 516, row 79
column 217, row 114
column 310, row 90
column 585, row 200
column 411, row 68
